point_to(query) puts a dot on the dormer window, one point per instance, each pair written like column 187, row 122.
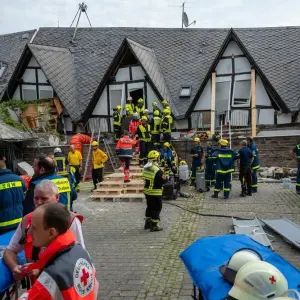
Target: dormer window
column 3, row 67
column 185, row 91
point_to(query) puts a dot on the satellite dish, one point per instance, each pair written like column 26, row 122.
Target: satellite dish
column 185, row 19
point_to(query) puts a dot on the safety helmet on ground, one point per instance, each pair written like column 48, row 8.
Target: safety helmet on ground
column 166, row 144
column 166, row 111
column 154, row 104
column 196, row 140
column 258, row 280
column 153, row 155
column 156, row 113
column 223, row 143
column 57, row 150
column 129, row 98
column 141, row 100
column 95, row 143
column 144, row 118
column 165, row 102
column 118, row 107
column 182, row 163
column 135, row 114
column 237, row 260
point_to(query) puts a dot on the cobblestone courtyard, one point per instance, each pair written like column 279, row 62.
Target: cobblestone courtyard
column 135, row 264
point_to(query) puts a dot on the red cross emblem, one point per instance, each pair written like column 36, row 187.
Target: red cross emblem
column 272, row 279
column 84, row 277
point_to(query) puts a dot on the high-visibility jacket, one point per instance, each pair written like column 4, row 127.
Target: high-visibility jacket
column 225, row 158
column 255, row 165
column 99, row 158
column 156, row 109
column 67, row 272
column 133, row 125
column 144, row 133
column 12, row 189
column 117, row 118
column 140, row 110
column 124, row 146
column 166, row 124
column 61, row 164
column 155, row 125
column 130, row 108
column 153, row 181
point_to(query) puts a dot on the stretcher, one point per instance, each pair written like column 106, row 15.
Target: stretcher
column 6, row 278
column 203, row 258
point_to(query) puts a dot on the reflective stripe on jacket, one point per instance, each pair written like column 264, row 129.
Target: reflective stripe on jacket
column 140, row 110
column 225, row 159
column 117, row 118
column 155, row 125
column 98, row 158
column 61, row 164
column 144, row 133
column 166, row 124
column 255, row 165
column 149, row 175
column 12, row 189
column 129, row 107
column 124, row 146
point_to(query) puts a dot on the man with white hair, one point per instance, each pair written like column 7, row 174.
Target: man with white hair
column 45, row 192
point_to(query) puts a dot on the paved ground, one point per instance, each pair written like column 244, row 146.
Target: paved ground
column 136, row 264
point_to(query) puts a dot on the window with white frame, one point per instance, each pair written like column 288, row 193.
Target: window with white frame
column 29, row 92
column 185, row 91
column 241, row 93
column 45, row 92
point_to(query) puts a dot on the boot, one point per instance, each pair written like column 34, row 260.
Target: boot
column 147, row 223
column 215, row 195
column 243, row 194
column 126, row 177
column 155, row 227
column 249, row 193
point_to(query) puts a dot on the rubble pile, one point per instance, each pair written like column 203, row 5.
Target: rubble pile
column 277, row 172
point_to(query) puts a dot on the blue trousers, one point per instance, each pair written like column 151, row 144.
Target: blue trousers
column 254, row 181
column 298, row 179
column 223, row 180
column 210, row 174
column 195, row 165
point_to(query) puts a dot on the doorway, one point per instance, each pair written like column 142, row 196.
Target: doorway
column 136, row 95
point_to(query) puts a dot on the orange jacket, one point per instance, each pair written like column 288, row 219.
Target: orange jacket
column 65, row 267
column 124, row 146
column 133, row 125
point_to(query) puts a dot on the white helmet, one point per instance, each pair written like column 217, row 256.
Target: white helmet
column 289, row 295
column 258, row 280
column 135, row 114
column 146, row 110
column 56, row 150
column 236, row 261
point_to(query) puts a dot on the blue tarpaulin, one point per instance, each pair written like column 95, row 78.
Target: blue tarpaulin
column 6, row 279
column 204, row 257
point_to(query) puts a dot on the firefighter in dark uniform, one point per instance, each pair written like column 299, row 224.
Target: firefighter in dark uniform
column 153, row 189
column 295, row 154
column 12, row 189
column 155, row 129
column 140, row 108
column 244, row 162
column 255, row 165
column 61, row 163
column 197, row 154
column 166, row 125
column 225, row 158
column 144, row 135
column 156, row 110
column 210, row 168
column 117, row 122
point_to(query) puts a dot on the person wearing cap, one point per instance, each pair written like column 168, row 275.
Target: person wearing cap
column 295, row 155
column 144, row 135
column 129, row 105
column 99, row 158
column 225, row 158
column 155, row 129
column 61, row 162
column 197, row 154
column 117, row 122
column 255, row 164
column 156, row 110
column 140, row 108
column 146, row 113
column 75, row 161
column 12, row 189
column 166, row 125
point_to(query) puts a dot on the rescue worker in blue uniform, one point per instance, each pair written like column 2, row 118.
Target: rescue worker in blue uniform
column 295, row 154
column 44, row 168
column 210, row 168
column 61, row 163
column 197, row 153
column 167, row 158
column 255, row 165
column 225, row 158
column 12, row 189
column 244, row 162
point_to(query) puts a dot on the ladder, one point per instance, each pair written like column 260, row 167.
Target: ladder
column 114, row 160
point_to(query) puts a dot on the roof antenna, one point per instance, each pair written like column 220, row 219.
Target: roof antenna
column 185, row 19
column 82, row 9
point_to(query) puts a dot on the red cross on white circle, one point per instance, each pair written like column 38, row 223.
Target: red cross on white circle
column 85, row 276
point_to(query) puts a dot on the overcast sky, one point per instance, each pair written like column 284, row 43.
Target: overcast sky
column 19, row 15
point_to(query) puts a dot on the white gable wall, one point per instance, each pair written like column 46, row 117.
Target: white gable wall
column 233, row 49
column 204, row 102
column 123, row 74
column 33, row 63
column 138, row 73
column 101, row 107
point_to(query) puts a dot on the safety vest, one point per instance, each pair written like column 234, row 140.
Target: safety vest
column 255, row 165
column 130, row 107
column 12, row 190
column 64, row 188
column 66, row 272
column 140, row 110
column 133, row 125
column 124, row 147
column 166, row 124
column 144, row 133
column 149, row 178
column 61, row 168
column 155, row 128
column 225, row 159
column 117, row 118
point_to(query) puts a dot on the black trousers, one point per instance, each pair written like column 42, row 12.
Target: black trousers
column 154, row 206
column 97, row 175
column 77, row 174
column 143, row 152
column 117, row 132
column 126, row 160
column 167, row 137
column 246, row 179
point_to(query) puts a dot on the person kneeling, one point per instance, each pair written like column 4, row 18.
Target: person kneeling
column 65, row 268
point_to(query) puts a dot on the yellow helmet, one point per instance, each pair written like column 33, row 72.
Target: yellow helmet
column 166, row 144
column 166, row 111
column 182, row 163
column 165, row 102
column 95, row 143
column 196, row 140
column 153, row 155
column 223, row 143
column 144, row 118
column 118, row 107
column 156, row 113
column 140, row 100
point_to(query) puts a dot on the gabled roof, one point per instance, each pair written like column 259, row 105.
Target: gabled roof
column 11, row 48
column 58, row 66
